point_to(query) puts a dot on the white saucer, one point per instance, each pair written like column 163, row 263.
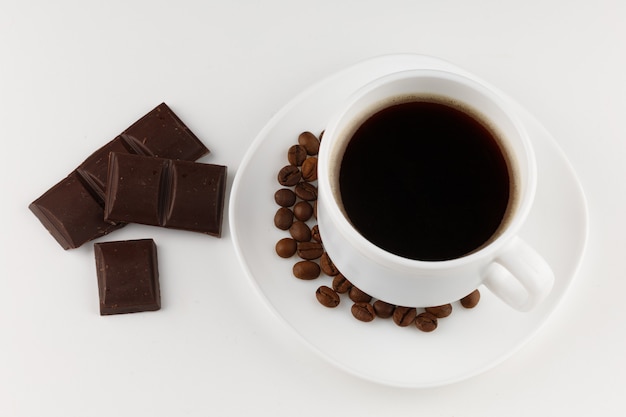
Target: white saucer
column 466, row 343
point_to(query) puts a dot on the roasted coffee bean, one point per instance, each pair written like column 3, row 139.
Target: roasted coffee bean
column 309, row 169
column 283, row 219
column 289, row 175
column 310, row 142
column 328, row 266
column 403, row 316
column 359, row 296
column 426, row 322
column 363, row 311
column 315, row 234
column 327, row 296
column 306, row 270
column 342, row 285
column 286, row 198
column 296, row 155
column 315, row 209
column 470, row 300
column 303, row 210
column 300, row 231
column 383, row 309
column 286, row 247
column 440, row 311
column 310, row 250
column 306, row 191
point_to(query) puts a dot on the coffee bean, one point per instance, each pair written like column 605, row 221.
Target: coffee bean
column 440, row 311
column 315, row 234
column 289, row 175
column 470, row 300
column 283, row 219
column 363, row 311
column 309, row 169
column 286, row 198
column 296, row 155
column 315, row 209
column 403, row 316
column 286, row 247
column 300, row 231
column 383, row 309
column 310, row 142
column 426, row 322
column 306, row 270
column 342, row 285
column 327, row 296
column 306, row 191
column 328, row 266
column 303, row 210
column 359, row 296
column 310, row 250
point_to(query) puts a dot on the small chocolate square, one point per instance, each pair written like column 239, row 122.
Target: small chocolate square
column 128, row 276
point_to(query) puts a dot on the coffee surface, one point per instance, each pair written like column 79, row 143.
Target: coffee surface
column 425, row 181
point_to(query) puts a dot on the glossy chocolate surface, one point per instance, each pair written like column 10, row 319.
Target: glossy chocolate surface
column 73, row 209
column 165, row 192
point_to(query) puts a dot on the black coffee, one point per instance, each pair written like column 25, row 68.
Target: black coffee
column 425, row 181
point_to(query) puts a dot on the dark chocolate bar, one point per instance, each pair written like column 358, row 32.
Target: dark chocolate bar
column 164, row 192
column 73, row 209
column 128, row 276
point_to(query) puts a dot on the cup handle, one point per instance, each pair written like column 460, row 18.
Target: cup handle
column 519, row 276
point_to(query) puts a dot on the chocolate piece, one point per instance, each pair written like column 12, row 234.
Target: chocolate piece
column 165, row 192
column 73, row 209
column 128, row 276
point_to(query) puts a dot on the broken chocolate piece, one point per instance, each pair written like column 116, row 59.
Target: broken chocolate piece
column 73, row 209
column 128, row 276
column 164, row 192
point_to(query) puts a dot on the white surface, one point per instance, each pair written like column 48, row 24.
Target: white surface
column 73, row 74
column 466, row 343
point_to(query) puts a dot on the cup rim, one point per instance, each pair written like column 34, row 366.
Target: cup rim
column 392, row 260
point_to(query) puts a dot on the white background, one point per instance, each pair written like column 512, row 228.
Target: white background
column 73, row 74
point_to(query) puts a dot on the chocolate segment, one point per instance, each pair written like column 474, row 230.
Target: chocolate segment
column 73, row 209
column 164, row 192
column 128, row 276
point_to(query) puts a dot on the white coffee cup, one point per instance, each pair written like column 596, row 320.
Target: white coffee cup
column 506, row 265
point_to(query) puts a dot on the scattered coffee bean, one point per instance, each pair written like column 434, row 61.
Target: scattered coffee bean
column 440, row 311
column 403, row 316
column 470, row 300
column 310, row 142
column 289, row 175
column 327, row 296
column 286, row 247
column 306, row 270
column 286, row 198
column 300, row 231
column 306, row 191
column 309, row 169
column 342, row 285
column 383, row 309
column 303, row 210
column 315, row 234
column 426, row 322
column 296, row 155
column 283, row 219
column 328, row 266
column 310, row 250
column 315, row 209
column 359, row 296
column 363, row 311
